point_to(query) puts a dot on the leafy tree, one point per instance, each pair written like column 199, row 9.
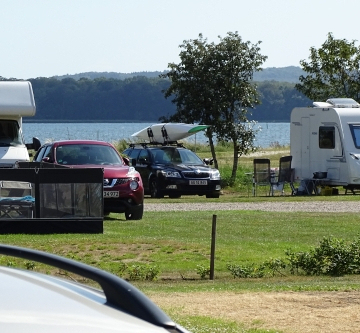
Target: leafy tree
column 333, row 71
column 213, row 85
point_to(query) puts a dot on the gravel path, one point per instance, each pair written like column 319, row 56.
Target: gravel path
column 317, row 206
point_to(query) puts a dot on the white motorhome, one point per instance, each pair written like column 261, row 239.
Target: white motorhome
column 326, row 138
column 16, row 101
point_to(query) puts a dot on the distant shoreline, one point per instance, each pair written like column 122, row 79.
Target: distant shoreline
column 86, row 121
column 53, row 121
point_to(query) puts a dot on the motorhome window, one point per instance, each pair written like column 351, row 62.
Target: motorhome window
column 10, row 133
column 326, row 137
column 355, row 132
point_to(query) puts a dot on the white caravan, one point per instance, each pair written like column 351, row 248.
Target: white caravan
column 16, row 101
column 326, row 138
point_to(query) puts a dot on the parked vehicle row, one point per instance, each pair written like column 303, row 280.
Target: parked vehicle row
column 156, row 170
column 123, row 187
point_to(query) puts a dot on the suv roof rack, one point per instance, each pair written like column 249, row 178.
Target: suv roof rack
column 167, row 143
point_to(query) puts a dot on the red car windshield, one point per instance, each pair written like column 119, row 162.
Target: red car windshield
column 80, row 154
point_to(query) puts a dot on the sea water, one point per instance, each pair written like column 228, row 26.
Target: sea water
column 269, row 134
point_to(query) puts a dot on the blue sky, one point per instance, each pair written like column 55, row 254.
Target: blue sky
column 42, row 38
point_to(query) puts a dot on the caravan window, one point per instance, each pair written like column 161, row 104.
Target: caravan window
column 355, row 132
column 327, row 137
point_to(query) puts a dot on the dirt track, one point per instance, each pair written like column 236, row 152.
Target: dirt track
column 293, row 312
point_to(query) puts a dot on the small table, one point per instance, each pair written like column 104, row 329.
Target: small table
column 16, row 208
column 315, row 182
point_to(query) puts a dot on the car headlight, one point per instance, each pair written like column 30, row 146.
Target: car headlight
column 131, row 171
column 134, row 185
column 170, row 173
column 215, row 174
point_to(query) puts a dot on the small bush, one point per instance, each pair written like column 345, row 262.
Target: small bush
column 275, row 266
column 30, row 265
column 203, row 271
column 248, row 271
column 151, row 273
column 143, row 272
column 332, row 257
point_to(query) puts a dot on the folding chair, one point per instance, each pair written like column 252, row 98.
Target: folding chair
column 261, row 173
column 284, row 176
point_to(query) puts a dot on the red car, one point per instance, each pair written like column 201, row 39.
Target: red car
column 123, row 187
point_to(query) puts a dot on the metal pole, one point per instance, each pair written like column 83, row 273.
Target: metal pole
column 212, row 255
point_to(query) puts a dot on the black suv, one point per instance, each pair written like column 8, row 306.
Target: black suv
column 174, row 171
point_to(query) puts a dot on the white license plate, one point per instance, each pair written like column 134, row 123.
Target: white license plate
column 111, row 194
column 198, row 182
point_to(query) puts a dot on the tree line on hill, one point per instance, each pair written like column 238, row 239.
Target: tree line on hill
column 140, row 99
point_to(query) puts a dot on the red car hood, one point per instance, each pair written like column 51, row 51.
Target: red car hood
column 111, row 171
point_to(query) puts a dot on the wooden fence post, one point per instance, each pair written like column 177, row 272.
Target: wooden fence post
column 212, row 255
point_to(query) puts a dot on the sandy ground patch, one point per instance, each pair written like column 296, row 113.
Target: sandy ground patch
column 293, row 312
column 261, row 153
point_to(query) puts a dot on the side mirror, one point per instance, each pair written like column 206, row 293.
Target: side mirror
column 46, row 159
column 35, row 145
column 126, row 161
column 143, row 161
column 208, row 161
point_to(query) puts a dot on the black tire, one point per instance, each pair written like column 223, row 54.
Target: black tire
column 136, row 214
column 213, row 195
column 174, row 195
column 154, row 188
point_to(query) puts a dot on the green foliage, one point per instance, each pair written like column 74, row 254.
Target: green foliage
column 333, row 71
column 277, row 101
column 133, row 99
column 271, row 267
column 30, row 265
column 203, row 271
column 275, row 266
column 136, row 272
column 332, row 257
column 121, row 145
column 246, row 271
column 142, row 272
column 202, row 324
column 10, row 263
column 213, row 85
column 140, row 99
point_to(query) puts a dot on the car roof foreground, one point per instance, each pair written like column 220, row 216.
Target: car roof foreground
column 35, row 302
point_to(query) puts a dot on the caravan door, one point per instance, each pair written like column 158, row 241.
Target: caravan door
column 305, row 148
column 331, row 150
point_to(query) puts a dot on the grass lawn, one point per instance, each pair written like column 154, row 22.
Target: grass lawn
column 178, row 242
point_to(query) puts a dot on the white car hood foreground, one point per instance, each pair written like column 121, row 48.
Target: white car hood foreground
column 38, row 304
column 35, row 302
